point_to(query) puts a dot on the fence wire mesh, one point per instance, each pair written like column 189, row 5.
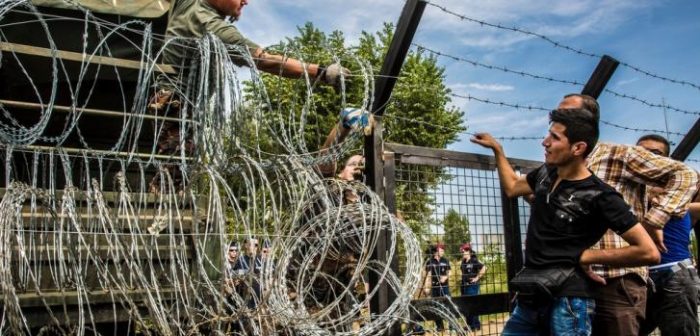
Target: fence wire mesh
column 456, row 203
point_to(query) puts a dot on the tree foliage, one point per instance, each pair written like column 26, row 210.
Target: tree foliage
column 456, row 232
column 420, row 95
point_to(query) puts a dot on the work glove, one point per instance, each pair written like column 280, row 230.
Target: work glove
column 332, row 74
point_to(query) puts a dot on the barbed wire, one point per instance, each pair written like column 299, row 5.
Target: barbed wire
column 460, row 59
column 642, row 130
column 561, row 45
column 531, row 108
column 515, row 29
column 511, row 138
column 495, row 67
column 165, row 225
column 650, row 104
column 539, row 108
column 552, row 79
column 500, row 103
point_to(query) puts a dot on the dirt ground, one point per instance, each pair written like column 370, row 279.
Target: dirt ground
column 487, row 328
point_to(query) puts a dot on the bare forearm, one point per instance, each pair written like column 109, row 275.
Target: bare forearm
column 286, row 67
column 506, row 174
column 694, row 209
column 629, row 256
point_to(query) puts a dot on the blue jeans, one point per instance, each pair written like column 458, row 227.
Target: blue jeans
column 471, row 290
column 565, row 316
column 440, row 291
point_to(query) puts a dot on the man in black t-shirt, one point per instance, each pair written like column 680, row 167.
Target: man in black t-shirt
column 571, row 212
column 249, row 266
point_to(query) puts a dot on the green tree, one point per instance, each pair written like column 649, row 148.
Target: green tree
column 420, row 94
column 496, row 278
column 456, row 228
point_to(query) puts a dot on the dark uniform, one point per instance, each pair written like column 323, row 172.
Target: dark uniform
column 244, row 265
column 436, row 269
column 470, row 270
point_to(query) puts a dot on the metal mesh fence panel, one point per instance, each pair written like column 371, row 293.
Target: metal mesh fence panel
column 454, row 201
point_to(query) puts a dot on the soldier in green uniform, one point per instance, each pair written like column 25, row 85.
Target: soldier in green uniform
column 189, row 21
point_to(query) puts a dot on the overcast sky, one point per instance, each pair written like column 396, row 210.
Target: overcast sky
column 660, row 37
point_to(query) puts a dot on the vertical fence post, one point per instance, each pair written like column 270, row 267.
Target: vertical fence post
column 374, row 173
column 600, row 76
column 688, row 143
column 512, row 234
column 390, row 202
column 390, row 181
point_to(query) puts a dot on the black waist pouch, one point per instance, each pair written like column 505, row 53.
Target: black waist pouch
column 540, row 286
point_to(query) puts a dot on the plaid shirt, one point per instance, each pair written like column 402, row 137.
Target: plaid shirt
column 629, row 170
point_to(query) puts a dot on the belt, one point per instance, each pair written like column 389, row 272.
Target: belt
column 672, row 266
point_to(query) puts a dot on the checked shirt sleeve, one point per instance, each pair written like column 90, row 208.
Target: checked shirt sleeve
column 678, row 181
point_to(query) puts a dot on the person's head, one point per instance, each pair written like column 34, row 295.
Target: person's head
column 232, row 251
column 655, row 144
column 572, row 135
column 232, row 8
column 251, row 245
column 353, row 168
column 266, row 247
column 438, row 250
column 466, row 250
column 577, row 100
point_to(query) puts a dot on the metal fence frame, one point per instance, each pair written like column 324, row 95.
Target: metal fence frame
column 512, row 212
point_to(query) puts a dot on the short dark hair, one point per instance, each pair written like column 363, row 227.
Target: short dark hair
column 657, row 138
column 581, row 125
column 589, row 103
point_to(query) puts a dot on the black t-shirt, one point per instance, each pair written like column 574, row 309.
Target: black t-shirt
column 245, row 262
column 470, row 269
column 569, row 219
column 436, row 269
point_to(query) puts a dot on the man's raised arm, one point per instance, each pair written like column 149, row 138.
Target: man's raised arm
column 293, row 68
column 513, row 185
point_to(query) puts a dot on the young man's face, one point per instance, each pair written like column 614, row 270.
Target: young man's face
column 656, row 147
column 353, row 168
column 557, row 149
column 466, row 254
column 232, row 254
column 440, row 251
column 252, row 247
